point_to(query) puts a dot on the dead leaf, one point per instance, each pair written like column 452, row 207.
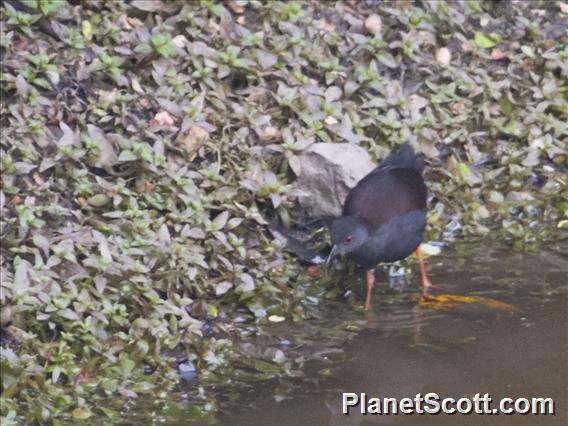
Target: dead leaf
column 497, row 54
column 314, row 271
column 5, row 315
column 163, row 118
column 466, row 47
column 142, row 185
column 450, row 301
column 195, row 138
column 134, row 22
column 21, row 43
column 324, row 25
column 237, row 6
column 270, row 133
column 82, row 202
column 38, row 179
column 457, row 107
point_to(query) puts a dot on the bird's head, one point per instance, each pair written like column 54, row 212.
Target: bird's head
column 347, row 235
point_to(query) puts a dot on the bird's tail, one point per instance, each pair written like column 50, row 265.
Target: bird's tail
column 403, row 158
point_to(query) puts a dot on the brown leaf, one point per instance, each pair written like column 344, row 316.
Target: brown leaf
column 5, row 315
column 497, row 54
column 38, row 179
column 163, row 118
column 270, row 133
column 237, row 6
column 142, row 185
column 195, row 138
column 314, row 271
column 82, row 202
column 324, row 25
column 457, row 107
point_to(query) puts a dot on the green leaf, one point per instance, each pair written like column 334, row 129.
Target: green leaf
column 387, row 59
column 223, row 287
column 98, row 200
column 69, row 314
column 266, row 60
column 56, row 373
column 87, row 30
column 496, row 197
column 53, row 75
column 487, row 41
column 220, row 220
column 81, row 413
column 127, row 155
column 528, row 50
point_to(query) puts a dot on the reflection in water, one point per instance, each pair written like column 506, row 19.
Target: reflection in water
column 495, row 323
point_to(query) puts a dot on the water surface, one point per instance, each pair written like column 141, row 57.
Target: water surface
column 496, row 323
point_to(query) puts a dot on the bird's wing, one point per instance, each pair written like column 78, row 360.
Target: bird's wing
column 385, row 193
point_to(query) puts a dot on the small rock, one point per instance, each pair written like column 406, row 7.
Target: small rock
column 276, row 318
column 180, row 41
column 187, row 370
column 270, row 133
column 443, row 56
column 5, row 315
column 328, row 172
column 373, row 24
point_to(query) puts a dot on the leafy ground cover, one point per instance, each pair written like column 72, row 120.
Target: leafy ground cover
column 146, row 146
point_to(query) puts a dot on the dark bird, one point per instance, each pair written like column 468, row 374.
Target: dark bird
column 384, row 216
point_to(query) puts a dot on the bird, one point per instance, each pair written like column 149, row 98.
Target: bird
column 384, row 217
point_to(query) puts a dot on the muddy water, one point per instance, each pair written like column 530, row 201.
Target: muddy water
column 496, row 322
column 457, row 348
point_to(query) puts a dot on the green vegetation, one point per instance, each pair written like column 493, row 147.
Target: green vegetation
column 146, row 146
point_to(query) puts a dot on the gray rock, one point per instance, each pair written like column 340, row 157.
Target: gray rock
column 328, row 172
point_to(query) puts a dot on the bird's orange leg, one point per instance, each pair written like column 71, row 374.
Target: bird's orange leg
column 424, row 277
column 370, row 284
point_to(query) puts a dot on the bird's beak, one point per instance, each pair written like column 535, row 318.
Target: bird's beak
column 332, row 255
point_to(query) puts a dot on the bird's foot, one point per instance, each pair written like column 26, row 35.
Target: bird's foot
column 426, row 283
column 370, row 284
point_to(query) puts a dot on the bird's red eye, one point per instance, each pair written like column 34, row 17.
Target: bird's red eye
column 348, row 239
